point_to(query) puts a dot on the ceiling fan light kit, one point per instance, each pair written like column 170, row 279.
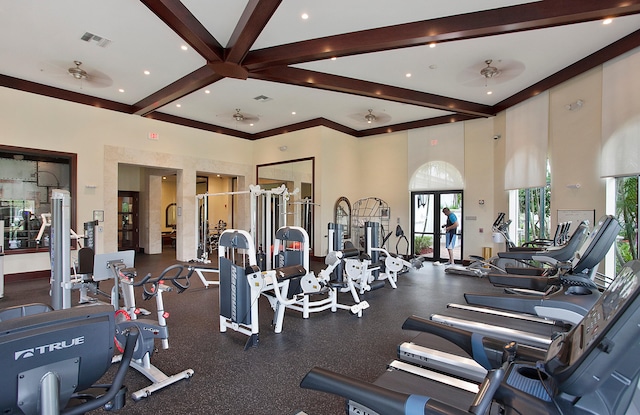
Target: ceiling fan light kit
column 490, row 71
column 370, row 117
column 77, row 72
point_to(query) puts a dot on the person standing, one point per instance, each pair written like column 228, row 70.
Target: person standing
column 451, row 231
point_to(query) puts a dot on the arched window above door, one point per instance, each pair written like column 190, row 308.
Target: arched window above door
column 436, row 175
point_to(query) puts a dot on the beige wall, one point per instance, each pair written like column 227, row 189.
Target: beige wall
column 107, row 142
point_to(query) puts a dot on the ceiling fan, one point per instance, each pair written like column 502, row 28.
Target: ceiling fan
column 77, row 75
column 491, row 72
column 371, row 118
column 240, row 117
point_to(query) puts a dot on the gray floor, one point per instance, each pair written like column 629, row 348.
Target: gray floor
column 265, row 380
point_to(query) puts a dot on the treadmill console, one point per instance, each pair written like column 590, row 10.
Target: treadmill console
column 569, row 350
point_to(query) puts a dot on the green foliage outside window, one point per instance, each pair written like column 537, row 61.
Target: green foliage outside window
column 627, row 215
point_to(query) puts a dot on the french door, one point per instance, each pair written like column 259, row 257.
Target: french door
column 428, row 237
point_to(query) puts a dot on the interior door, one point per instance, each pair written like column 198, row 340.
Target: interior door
column 428, row 237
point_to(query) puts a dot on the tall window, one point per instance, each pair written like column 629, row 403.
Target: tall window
column 534, row 212
column 627, row 214
column 27, row 177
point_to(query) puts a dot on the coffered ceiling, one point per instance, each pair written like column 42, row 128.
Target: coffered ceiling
column 256, row 68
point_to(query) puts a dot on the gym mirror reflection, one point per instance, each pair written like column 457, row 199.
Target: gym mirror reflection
column 293, row 174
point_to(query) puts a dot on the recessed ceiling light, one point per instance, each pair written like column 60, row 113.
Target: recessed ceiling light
column 251, row 125
column 120, row 90
column 408, row 75
column 293, row 113
column 607, row 21
column 206, row 91
column 178, row 105
column 432, row 45
column 184, row 47
column 489, row 92
column 434, row 66
column 334, row 58
column 147, row 72
column 304, row 16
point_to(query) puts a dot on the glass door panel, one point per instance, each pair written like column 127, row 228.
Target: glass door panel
column 423, row 227
column 429, row 238
column 453, row 201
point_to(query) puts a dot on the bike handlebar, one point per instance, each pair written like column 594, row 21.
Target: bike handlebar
column 177, row 268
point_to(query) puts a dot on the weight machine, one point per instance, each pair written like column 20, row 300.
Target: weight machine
column 290, row 285
column 268, row 212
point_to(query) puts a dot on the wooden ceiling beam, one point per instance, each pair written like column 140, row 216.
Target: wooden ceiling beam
column 175, row 15
column 186, row 122
column 184, row 86
column 528, row 16
column 329, row 82
column 253, row 20
column 63, row 94
column 605, row 54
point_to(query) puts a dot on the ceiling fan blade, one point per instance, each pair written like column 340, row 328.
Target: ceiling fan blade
column 380, row 117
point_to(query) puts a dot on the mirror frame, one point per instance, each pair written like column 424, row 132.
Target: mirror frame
column 313, row 188
column 170, row 216
column 347, row 232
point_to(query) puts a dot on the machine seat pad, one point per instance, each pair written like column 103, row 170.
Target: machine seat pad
column 350, row 252
column 290, row 272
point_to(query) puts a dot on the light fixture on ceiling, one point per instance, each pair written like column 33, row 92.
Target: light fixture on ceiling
column 238, row 116
column 283, row 148
column 490, row 71
column 78, row 72
column 370, row 117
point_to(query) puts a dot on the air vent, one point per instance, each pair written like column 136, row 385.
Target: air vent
column 262, row 98
column 103, row 42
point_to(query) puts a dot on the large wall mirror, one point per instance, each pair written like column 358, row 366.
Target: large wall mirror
column 293, row 174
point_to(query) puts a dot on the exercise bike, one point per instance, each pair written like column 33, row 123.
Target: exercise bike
column 150, row 330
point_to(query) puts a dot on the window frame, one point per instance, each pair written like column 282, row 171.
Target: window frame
column 71, row 159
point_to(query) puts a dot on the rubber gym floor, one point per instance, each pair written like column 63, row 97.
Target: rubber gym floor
column 265, row 380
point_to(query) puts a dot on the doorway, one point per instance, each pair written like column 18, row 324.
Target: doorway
column 428, row 237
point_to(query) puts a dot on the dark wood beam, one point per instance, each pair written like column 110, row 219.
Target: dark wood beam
column 63, row 94
column 316, row 122
column 175, row 15
column 529, row 16
column 160, row 116
column 328, row 82
column 253, row 20
column 429, row 122
column 184, row 86
column 605, row 54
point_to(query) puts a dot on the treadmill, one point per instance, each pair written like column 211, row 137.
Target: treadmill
column 561, row 253
column 592, row 369
column 566, row 296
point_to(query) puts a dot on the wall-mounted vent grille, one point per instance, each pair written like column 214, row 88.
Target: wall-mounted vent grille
column 262, row 98
column 103, row 42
